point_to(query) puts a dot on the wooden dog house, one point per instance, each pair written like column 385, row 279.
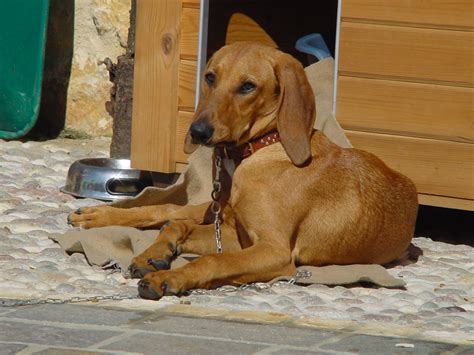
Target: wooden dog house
column 404, row 82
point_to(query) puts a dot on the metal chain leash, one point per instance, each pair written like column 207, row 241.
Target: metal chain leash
column 256, row 286
column 216, row 206
column 7, row 302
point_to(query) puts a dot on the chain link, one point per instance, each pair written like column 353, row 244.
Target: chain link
column 7, row 302
column 257, row 286
column 216, row 206
column 300, row 274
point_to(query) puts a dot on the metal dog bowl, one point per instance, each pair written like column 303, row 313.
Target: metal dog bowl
column 105, row 179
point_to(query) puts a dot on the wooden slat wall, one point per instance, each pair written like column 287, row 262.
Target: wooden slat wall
column 405, row 53
column 155, row 88
column 447, row 202
column 406, row 108
column 190, row 33
column 187, row 77
column 191, row 3
column 405, row 91
column 187, row 84
column 447, row 14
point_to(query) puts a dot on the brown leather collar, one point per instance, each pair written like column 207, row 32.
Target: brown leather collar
column 247, row 149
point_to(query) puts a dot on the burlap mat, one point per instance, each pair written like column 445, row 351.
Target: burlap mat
column 118, row 245
column 114, row 245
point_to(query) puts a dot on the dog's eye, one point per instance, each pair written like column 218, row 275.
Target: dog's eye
column 210, row 78
column 247, row 87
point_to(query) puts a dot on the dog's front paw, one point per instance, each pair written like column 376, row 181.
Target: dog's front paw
column 157, row 257
column 91, row 217
column 141, row 266
column 138, row 271
column 155, row 285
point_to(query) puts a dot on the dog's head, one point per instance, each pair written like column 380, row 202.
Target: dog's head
column 248, row 90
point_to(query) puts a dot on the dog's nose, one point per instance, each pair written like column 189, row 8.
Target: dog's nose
column 201, row 131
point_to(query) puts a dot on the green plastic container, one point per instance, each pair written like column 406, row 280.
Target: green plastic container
column 22, row 43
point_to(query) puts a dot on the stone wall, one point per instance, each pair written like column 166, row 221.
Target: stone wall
column 100, row 31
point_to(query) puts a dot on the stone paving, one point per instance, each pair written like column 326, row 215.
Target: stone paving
column 437, row 304
column 31, row 207
column 78, row 329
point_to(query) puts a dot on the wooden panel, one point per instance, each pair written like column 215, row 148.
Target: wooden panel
column 187, row 85
column 243, row 28
column 447, row 202
column 454, row 14
column 437, row 167
column 411, row 53
column 189, row 33
column 182, row 126
column 192, row 3
column 404, row 108
column 155, row 85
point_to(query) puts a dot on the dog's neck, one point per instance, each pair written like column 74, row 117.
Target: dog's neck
column 232, row 157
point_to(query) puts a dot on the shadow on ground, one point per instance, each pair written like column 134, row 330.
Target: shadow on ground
column 57, row 70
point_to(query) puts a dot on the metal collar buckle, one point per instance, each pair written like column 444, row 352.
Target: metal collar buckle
column 250, row 148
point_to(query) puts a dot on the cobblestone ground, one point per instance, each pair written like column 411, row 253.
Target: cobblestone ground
column 438, row 302
column 31, row 207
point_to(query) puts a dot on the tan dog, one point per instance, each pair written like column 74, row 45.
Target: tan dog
column 300, row 201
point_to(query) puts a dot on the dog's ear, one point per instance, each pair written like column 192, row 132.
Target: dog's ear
column 189, row 146
column 297, row 109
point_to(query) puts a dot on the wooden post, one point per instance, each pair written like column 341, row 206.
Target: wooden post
column 155, row 106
